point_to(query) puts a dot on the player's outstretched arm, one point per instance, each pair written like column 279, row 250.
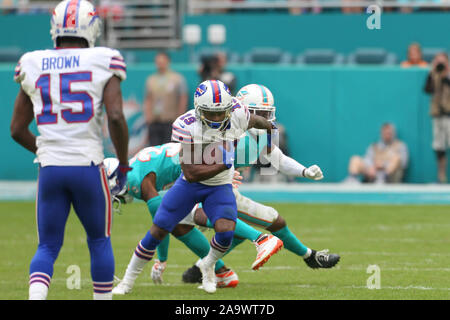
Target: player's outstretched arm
column 117, row 125
column 197, row 172
column 259, row 122
column 22, row 117
column 291, row 167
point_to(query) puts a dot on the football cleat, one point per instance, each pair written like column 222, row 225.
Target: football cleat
column 157, row 271
column 322, row 259
column 192, row 275
column 266, row 246
column 227, row 279
column 208, row 277
column 122, row 288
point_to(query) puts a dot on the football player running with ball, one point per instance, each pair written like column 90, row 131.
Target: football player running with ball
column 154, row 170
column 260, row 101
column 64, row 89
column 207, row 137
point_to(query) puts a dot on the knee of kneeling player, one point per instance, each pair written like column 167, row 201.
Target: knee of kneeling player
column 277, row 224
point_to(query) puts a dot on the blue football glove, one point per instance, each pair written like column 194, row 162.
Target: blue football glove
column 120, row 174
column 227, row 155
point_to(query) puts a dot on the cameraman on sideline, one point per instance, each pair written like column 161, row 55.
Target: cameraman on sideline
column 438, row 85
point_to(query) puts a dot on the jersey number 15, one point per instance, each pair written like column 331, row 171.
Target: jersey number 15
column 47, row 116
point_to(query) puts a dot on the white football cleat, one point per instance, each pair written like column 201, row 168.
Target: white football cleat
column 122, row 288
column 208, row 277
column 227, row 279
column 157, row 271
column 266, row 246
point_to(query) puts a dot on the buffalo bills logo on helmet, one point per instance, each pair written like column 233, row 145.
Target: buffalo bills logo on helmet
column 201, row 89
column 226, row 88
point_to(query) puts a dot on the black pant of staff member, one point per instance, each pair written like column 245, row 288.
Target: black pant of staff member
column 438, row 85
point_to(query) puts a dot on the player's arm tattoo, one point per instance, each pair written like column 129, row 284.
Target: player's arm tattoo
column 197, row 172
column 22, row 117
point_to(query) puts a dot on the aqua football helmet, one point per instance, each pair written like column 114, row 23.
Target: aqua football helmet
column 259, row 100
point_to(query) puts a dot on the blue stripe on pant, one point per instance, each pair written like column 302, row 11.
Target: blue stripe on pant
column 86, row 188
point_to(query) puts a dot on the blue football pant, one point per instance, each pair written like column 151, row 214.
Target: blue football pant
column 86, row 188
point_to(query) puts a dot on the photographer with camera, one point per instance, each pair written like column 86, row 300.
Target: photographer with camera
column 438, row 85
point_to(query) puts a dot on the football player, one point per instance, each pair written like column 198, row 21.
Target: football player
column 64, row 90
column 206, row 158
column 154, row 170
column 249, row 151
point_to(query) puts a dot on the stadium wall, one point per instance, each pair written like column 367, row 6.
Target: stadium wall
column 330, row 113
column 344, row 33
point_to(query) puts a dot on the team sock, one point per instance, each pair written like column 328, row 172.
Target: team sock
column 163, row 248
column 143, row 253
column 103, row 296
column 236, row 241
column 291, row 242
column 39, row 283
column 198, row 244
column 243, row 230
column 220, row 243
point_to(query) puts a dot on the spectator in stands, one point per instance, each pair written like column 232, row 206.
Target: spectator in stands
column 209, row 68
column 165, row 99
column 213, row 67
column 350, row 9
column 438, row 85
column 210, row 9
column 414, row 57
column 385, row 160
column 225, row 76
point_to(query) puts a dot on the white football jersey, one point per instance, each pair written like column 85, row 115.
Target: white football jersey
column 66, row 89
column 190, row 130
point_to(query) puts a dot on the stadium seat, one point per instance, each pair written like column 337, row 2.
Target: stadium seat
column 320, row 56
column 372, row 56
column 10, row 54
column 232, row 57
column 267, row 55
column 429, row 53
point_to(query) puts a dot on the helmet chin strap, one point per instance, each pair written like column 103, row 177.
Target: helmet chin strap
column 216, row 125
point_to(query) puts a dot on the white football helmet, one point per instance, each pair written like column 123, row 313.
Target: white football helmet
column 258, row 99
column 213, row 96
column 75, row 18
column 111, row 165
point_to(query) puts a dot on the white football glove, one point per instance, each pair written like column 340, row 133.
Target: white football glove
column 313, row 173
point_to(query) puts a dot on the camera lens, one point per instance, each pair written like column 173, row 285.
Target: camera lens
column 440, row 67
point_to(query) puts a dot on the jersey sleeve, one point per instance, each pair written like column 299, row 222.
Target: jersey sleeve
column 19, row 73
column 180, row 133
column 117, row 65
column 242, row 114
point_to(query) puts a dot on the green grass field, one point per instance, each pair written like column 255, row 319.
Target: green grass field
column 410, row 244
